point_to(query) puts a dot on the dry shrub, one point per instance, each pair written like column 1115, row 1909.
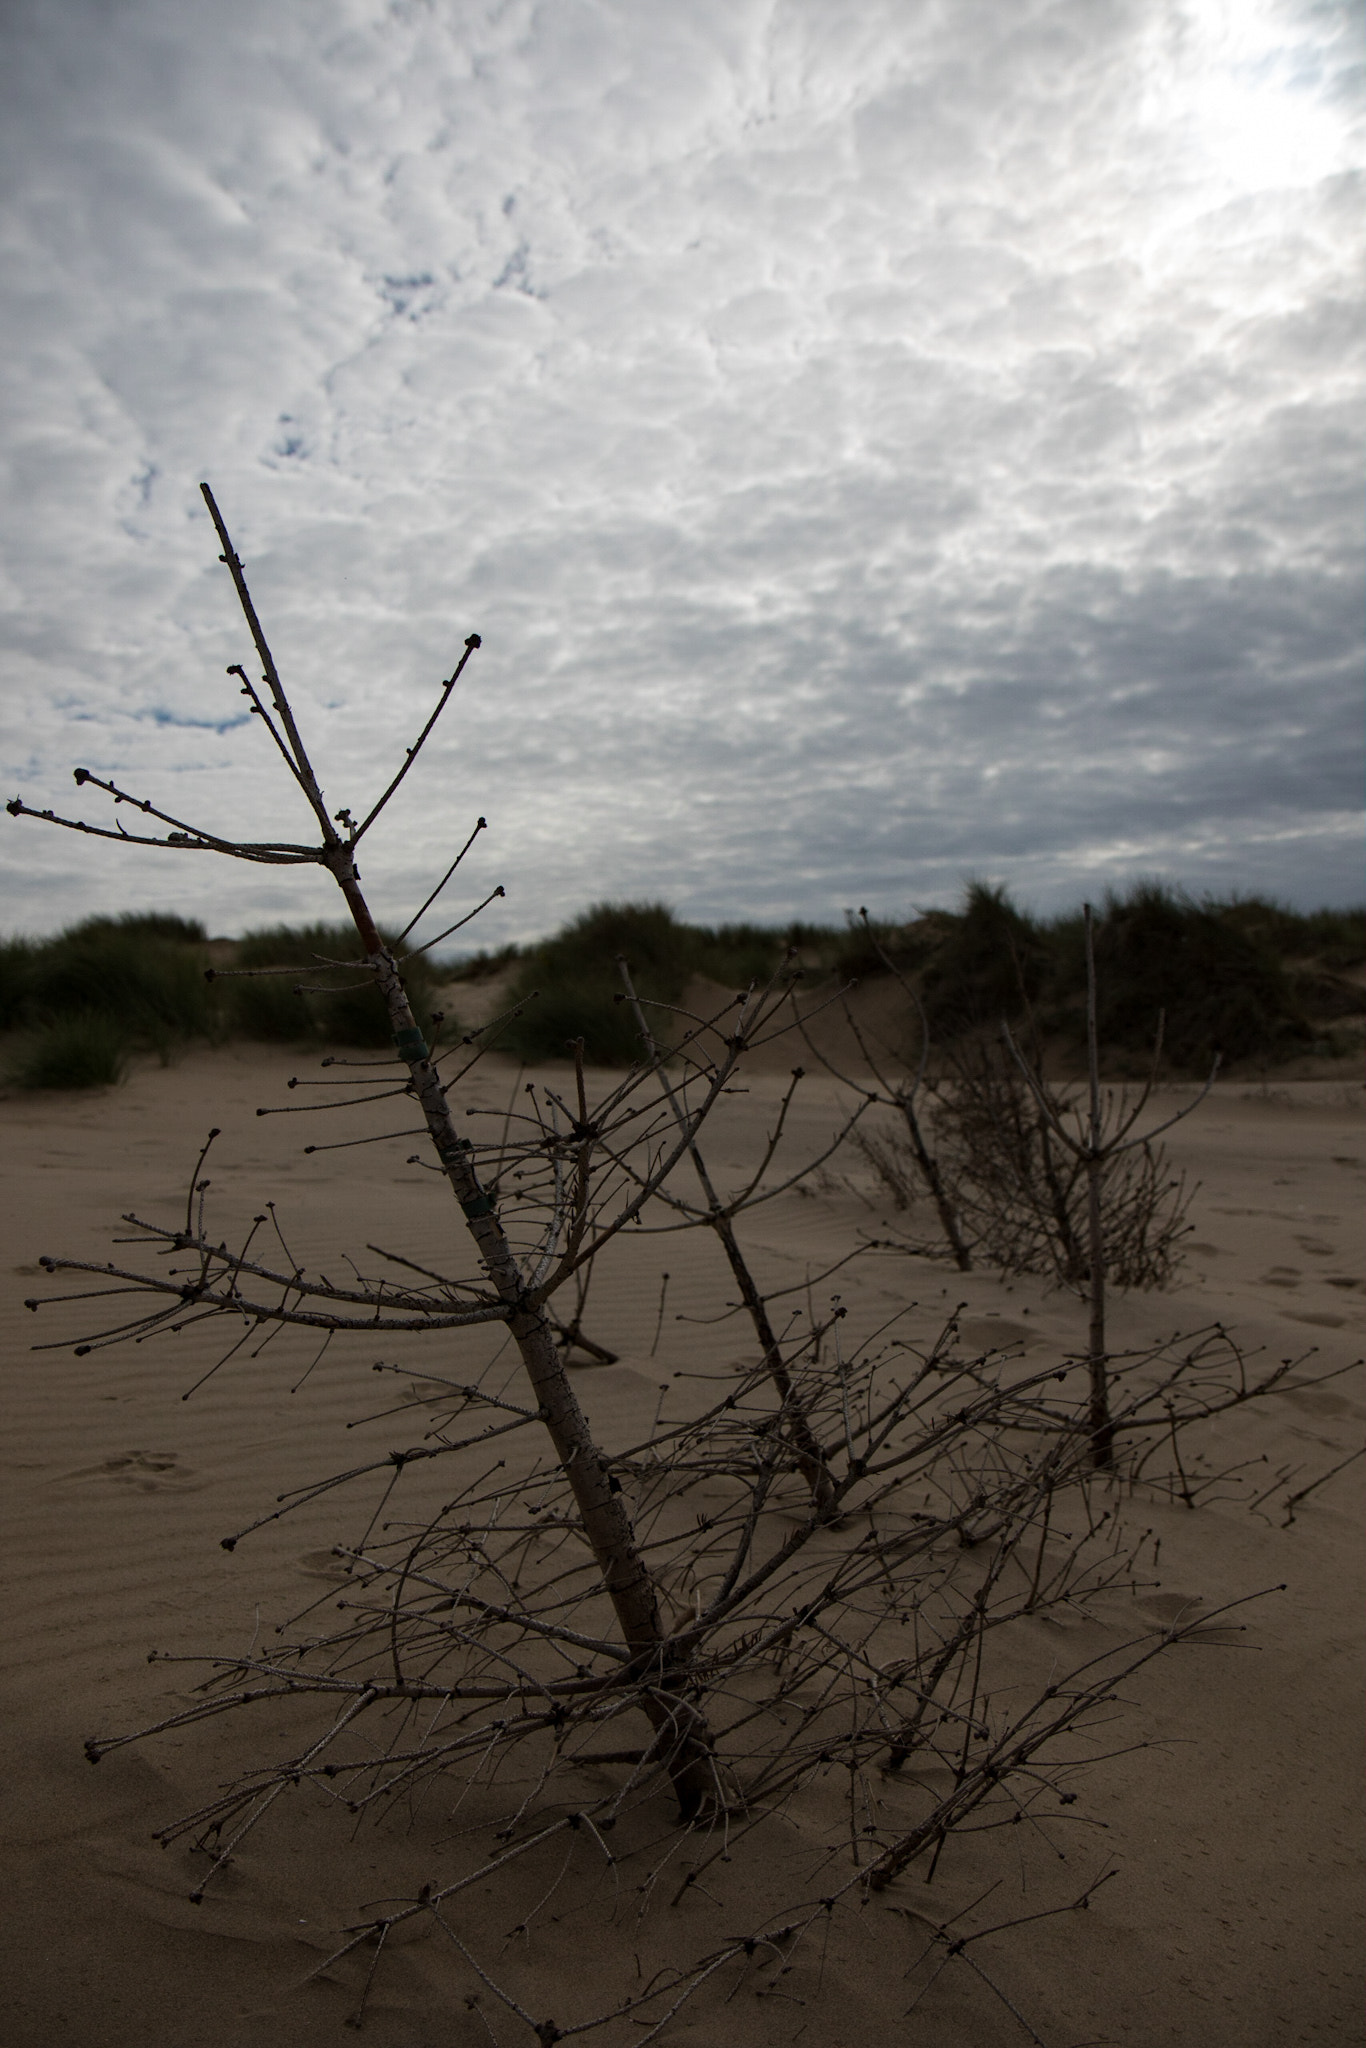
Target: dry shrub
column 1023, row 1196
column 771, row 1656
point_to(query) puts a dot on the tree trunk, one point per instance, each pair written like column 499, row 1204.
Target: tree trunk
column 681, row 1731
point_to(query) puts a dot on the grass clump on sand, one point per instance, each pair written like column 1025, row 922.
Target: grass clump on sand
column 82, row 1003
column 85, row 1050
column 328, row 996
column 571, row 988
column 1222, row 986
column 1239, row 977
column 99, row 991
column 146, row 973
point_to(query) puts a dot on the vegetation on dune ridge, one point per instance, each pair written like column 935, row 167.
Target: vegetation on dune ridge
column 769, row 1653
column 569, row 986
column 338, row 1002
column 1240, row 976
column 84, row 1001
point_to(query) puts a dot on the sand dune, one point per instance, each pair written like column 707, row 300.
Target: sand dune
column 1231, row 1812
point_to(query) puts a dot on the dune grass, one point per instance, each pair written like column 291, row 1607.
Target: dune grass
column 1241, row 976
column 145, row 972
column 330, row 999
column 571, row 987
column 84, row 1050
column 82, row 1003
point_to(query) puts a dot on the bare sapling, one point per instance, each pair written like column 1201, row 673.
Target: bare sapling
column 1097, row 1144
column 1035, row 1183
column 646, row 1657
column 900, row 1092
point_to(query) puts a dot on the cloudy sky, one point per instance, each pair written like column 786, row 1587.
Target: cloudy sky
column 879, row 441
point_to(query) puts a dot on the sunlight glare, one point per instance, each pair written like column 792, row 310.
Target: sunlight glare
column 1249, row 93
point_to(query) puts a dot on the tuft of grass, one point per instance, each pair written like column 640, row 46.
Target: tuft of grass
column 578, row 981
column 738, row 954
column 1215, row 975
column 990, row 962
column 340, row 1004
column 84, row 1050
column 16, row 967
column 145, row 978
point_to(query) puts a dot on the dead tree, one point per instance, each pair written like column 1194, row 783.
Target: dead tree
column 1097, row 1142
column 806, row 1575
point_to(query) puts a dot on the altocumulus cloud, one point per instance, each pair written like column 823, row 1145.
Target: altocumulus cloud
column 878, row 443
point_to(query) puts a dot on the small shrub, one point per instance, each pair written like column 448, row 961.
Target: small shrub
column 578, row 981
column 547, row 1027
column 16, row 966
column 739, row 954
column 150, row 986
column 85, row 1050
column 1221, row 985
column 340, row 1006
column 990, row 961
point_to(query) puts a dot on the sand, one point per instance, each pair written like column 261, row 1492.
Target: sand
column 1231, row 1813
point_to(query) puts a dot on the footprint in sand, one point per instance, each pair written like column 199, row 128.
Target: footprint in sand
column 1169, row 1607
column 1282, row 1276
column 148, row 1471
column 325, row 1564
column 996, row 1333
column 1320, row 1401
column 1316, row 1247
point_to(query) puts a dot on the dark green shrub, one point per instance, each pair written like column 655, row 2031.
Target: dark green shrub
column 340, row 1004
column 1221, row 985
column 578, row 980
column 558, row 1015
column 990, row 961
column 738, row 954
column 83, row 1050
column 150, row 986
column 16, row 966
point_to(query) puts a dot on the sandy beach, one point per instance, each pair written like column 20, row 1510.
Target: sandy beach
column 1230, row 1810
